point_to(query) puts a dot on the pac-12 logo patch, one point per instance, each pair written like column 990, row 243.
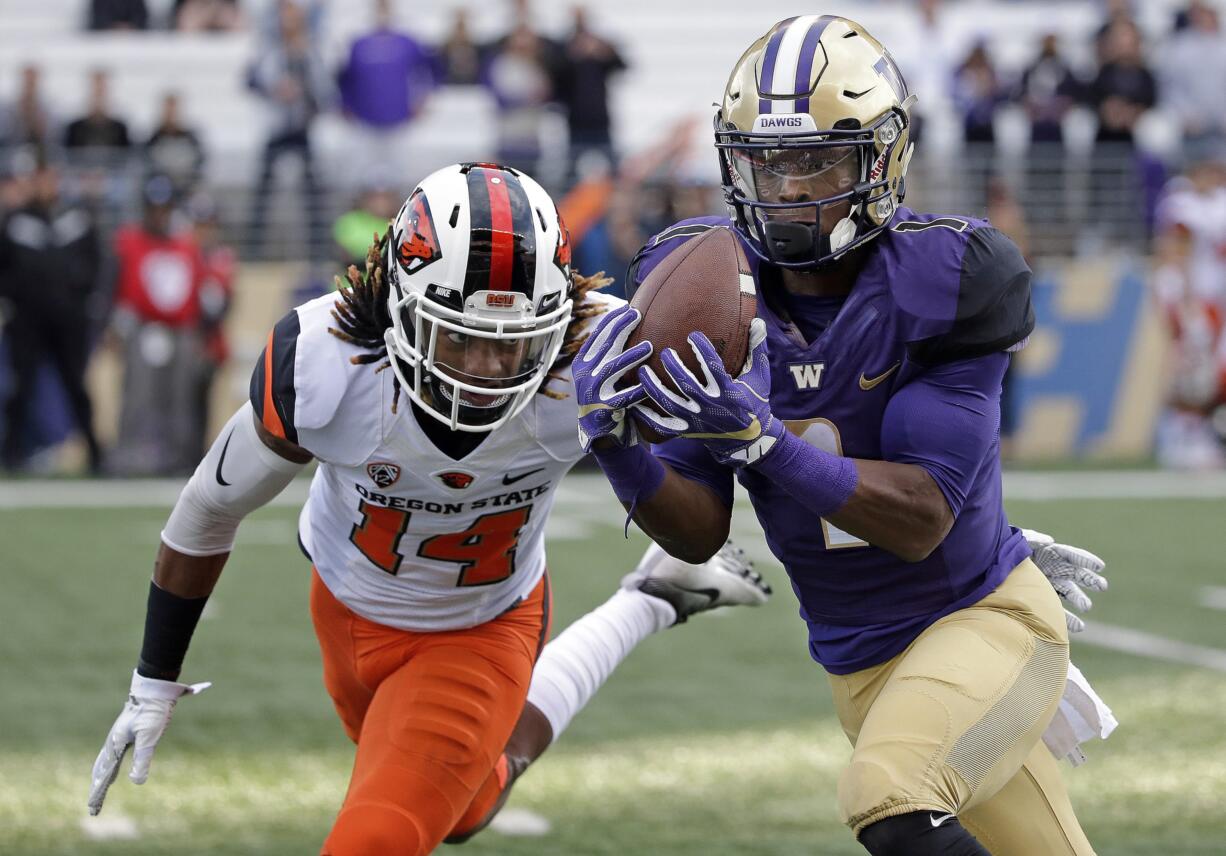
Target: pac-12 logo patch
column 382, row 473
column 455, row 479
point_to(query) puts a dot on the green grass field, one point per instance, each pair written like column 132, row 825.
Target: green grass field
column 713, row 738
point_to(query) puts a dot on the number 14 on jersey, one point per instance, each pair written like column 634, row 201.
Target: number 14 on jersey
column 485, row 551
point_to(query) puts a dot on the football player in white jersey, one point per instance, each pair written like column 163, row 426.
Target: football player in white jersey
column 425, row 519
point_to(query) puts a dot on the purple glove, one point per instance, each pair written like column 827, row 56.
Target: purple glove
column 731, row 416
column 600, row 363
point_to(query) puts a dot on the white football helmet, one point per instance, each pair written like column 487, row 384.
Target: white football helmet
column 479, row 293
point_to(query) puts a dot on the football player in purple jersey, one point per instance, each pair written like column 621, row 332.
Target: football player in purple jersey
column 865, row 429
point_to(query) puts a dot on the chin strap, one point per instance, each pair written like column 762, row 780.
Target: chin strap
column 795, row 242
column 843, row 233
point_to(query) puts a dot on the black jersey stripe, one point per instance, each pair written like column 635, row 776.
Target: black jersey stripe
column 272, row 382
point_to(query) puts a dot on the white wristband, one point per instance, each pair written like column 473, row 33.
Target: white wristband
column 143, row 687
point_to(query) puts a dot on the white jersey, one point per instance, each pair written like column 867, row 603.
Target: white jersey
column 400, row 532
column 1204, row 217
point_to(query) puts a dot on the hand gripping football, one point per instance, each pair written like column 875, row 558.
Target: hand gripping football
column 704, row 285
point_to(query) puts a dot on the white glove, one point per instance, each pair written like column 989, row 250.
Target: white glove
column 143, row 719
column 1067, row 569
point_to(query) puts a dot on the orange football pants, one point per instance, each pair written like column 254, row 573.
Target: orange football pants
column 430, row 713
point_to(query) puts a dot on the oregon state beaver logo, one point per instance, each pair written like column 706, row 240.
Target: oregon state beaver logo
column 416, row 241
column 455, row 480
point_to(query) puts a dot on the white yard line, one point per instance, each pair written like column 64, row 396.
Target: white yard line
column 110, row 826
column 521, row 823
column 589, row 491
column 1122, row 484
column 1213, row 597
column 562, row 526
column 1151, row 645
column 139, row 493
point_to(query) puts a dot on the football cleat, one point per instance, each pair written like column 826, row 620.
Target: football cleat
column 726, row 579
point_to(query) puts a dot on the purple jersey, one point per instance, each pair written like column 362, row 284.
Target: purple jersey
column 908, row 370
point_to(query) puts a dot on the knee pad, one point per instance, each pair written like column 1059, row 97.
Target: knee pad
column 371, row 829
column 451, row 701
column 920, row 833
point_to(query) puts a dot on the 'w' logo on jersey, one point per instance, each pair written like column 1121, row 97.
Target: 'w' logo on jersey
column 807, row 375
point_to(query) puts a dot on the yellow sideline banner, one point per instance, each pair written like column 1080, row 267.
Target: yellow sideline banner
column 1092, row 380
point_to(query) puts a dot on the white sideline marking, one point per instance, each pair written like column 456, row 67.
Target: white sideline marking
column 110, row 827
column 1214, row 597
column 138, row 493
column 590, row 491
column 1122, row 484
column 1151, row 645
column 520, row 822
column 267, row 533
column 563, row 527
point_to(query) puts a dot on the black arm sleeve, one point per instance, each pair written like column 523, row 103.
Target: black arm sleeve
column 170, row 621
column 993, row 312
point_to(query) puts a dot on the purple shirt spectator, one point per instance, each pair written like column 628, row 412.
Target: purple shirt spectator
column 388, row 76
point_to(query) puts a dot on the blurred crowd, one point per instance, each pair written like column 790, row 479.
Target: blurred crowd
column 156, row 288
column 156, row 285
column 155, row 291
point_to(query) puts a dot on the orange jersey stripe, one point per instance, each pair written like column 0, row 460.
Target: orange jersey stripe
column 272, row 420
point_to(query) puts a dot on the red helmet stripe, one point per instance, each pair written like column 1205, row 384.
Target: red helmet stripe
column 502, row 253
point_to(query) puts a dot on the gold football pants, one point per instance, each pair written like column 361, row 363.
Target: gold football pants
column 952, row 725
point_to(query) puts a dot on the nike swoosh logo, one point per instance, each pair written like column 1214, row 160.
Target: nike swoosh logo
column 937, row 820
column 509, row 479
column 867, row 383
column 749, row 432
column 710, row 594
column 222, row 459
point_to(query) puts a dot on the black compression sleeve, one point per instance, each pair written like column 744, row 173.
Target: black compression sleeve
column 170, row 621
column 920, row 833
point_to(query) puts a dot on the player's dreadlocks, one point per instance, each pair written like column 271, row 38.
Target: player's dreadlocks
column 362, row 316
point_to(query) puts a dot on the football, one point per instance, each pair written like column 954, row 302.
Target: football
column 704, row 285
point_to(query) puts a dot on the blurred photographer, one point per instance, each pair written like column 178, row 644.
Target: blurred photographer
column 50, row 263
